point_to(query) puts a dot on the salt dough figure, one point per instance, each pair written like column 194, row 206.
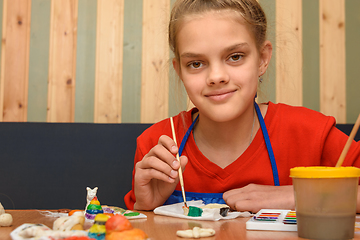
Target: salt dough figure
column 196, row 232
column 67, row 223
column 91, row 193
column 5, row 218
column 2, row 210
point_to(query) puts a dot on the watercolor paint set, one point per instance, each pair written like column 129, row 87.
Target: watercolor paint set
column 273, row 219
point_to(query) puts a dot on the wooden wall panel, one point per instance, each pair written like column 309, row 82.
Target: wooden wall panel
column 14, row 60
column 109, row 57
column 39, row 60
column 155, row 75
column 332, row 59
column 288, row 56
column 2, row 57
column 43, row 77
column 352, row 37
column 131, row 84
column 311, row 54
column 62, row 61
column 85, row 61
column 267, row 89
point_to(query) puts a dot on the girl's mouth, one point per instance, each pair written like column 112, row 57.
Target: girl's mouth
column 220, row 96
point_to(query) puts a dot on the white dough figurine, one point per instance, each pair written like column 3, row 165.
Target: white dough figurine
column 2, row 210
column 196, row 232
column 67, row 223
column 91, row 193
column 5, row 218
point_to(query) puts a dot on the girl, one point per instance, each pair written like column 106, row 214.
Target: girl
column 232, row 150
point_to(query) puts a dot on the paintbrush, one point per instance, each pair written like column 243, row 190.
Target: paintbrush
column 178, row 158
column 348, row 143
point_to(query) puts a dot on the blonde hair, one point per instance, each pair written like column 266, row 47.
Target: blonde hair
column 250, row 10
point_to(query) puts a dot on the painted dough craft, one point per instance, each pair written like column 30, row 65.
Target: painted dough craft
column 213, row 214
column 223, row 208
column 197, row 211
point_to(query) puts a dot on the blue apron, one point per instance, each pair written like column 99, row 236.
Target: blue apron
column 208, row 198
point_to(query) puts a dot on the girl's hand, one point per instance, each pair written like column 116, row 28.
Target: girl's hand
column 156, row 175
column 255, row 197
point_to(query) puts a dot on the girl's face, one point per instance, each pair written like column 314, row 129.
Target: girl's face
column 219, row 64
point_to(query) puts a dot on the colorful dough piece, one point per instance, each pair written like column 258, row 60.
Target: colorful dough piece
column 93, row 208
column 98, row 229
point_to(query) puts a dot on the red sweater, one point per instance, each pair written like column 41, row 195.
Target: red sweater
column 299, row 137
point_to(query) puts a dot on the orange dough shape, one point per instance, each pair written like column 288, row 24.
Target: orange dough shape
column 132, row 234
column 117, row 223
column 109, row 214
column 77, row 238
column 74, row 211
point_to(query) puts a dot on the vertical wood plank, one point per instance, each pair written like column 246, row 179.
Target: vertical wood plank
column 332, row 59
column 15, row 55
column 131, row 84
column 109, row 57
column 62, row 61
column 288, row 56
column 352, row 8
column 155, row 70
column 85, row 61
column 39, row 60
column 2, row 64
column 178, row 98
column 267, row 89
column 311, row 55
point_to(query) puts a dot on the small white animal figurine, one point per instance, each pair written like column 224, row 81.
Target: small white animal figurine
column 2, row 210
column 91, row 193
column 5, row 218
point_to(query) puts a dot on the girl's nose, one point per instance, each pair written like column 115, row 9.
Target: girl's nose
column 217, row 75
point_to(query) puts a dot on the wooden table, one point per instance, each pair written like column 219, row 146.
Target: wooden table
column 164, row 228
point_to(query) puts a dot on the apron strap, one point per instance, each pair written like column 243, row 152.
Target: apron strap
column 187, row 134
column 268, row 145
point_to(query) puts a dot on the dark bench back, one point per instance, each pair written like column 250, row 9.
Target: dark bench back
column 49, row 165
column 346, row 128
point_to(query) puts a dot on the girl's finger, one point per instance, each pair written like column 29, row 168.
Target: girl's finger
column 145, row 175
column 168, row 143
column 153, row 163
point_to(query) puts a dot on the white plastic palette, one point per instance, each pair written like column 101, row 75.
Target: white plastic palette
column 273, row 219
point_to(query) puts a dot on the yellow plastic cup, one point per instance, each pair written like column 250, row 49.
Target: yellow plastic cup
column 325, row 200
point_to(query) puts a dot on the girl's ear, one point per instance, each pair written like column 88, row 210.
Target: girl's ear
column 265, row 56
column 176, row 66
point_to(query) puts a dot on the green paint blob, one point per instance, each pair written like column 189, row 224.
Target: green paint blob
column 131, row 214
column 194, row 211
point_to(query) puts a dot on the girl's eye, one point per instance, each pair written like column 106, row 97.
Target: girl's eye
column 235, row 57
column 195, row 64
